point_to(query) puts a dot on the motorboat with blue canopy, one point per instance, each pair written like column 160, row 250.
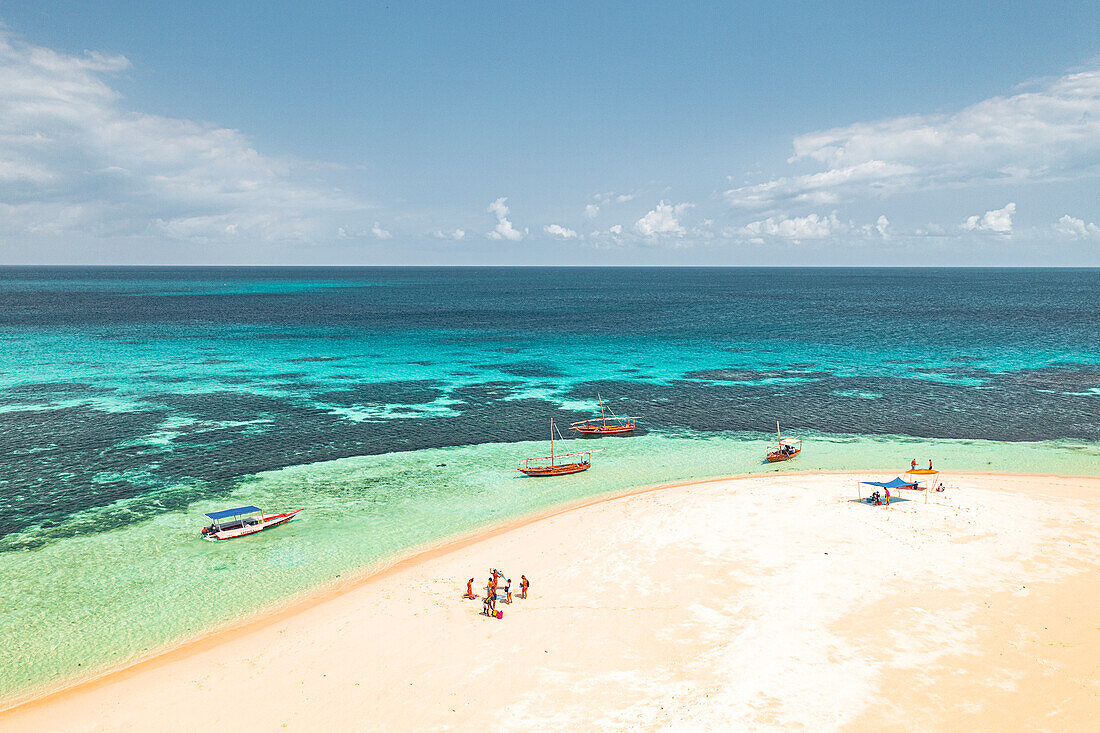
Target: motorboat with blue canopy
column 228, row 524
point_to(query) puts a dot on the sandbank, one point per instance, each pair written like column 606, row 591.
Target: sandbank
column 759, row 602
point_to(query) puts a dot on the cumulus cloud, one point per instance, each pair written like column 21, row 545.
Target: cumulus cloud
column 560, row 232
column 662, row 221
column 378, row 232
column 73, row 159
column 591, row 211
column 455, row 234
column 813, row 226
column 996, row 220
column 1073, row 228
column 796, row 228
column 616, row 229
column 504, row 228
column 624, row 197
column 1051, row 132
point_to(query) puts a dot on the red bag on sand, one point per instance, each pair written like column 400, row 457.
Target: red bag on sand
column 500, row 614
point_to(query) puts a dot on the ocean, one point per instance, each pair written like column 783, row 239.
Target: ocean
column 394, row 404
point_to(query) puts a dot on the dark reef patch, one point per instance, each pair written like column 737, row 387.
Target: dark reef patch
column 55, row 388
column 1058, row 379
column 411, row 392
column 916, row 407
column 306, row 359
column 752, row 375
column 72, row 446
column 530, row 369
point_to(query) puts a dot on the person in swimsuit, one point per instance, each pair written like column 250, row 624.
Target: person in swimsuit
column 470, row 589
column 523, row 586
column 929, row 464
column 508, row 591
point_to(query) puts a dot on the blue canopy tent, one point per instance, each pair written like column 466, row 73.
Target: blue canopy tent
column 896, row 483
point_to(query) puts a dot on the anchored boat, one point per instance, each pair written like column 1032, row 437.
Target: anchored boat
column 607, row 424
column 229, row 524
column 550, row 465
column 785, row 448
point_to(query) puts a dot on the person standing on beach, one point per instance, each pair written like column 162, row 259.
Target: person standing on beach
column 929, row 464
column 470, row 589
column 508, row 592
column 523, row 586
column 913, row 465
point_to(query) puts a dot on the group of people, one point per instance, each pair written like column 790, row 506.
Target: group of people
column 492, row 592
column 914, row 464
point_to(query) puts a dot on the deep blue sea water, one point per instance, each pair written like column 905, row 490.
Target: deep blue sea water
column 395, row 403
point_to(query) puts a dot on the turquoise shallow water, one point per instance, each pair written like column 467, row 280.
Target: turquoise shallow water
column 102, row 598
column 394, row 404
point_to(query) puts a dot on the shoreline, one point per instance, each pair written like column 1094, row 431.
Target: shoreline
column 265, row 618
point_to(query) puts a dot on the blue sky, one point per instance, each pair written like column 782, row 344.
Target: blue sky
column 566, row 133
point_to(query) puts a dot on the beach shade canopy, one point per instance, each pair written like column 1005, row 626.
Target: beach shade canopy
column 233, row 512
column 897, row 483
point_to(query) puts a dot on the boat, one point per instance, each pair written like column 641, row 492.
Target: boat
column 549, row 465
column 606, row 424
column 784, row 449
column 229, row 524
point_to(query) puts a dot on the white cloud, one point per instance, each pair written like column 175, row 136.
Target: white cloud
column 616, row 229
column 591, row 211
column 795, row 228
column 72, row 159
column 813, row 226
column 996, row 220
column 379, row 232
column 504, row 228
column 1076, row 228
column 557, row 230
column 662, row 221
column 455, row 234
column 624, row 197
column 1049, row 133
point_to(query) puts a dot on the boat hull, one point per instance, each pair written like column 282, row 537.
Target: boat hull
column 777, row 457
column 601, row 430
column 558, row 470
column 268, row 522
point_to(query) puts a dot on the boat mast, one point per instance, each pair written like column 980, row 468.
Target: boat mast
column 551, row 441
column 603, row 417
column 778, row 435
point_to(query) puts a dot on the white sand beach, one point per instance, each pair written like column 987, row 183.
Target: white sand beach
column 771, row 602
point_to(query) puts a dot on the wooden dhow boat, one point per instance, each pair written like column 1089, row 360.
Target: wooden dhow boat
column 608, row 423
column 552, row 465
column 229, row 524
column 784, row 449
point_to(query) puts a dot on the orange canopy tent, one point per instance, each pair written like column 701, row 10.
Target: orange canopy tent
column 922, row 472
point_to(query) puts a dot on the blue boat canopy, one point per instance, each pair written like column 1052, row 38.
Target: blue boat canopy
column 896, row 483
column 233, row 512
